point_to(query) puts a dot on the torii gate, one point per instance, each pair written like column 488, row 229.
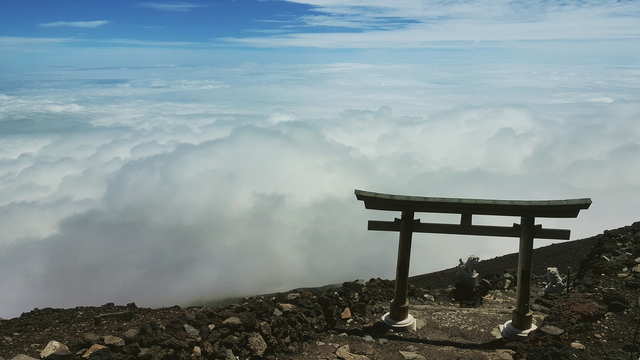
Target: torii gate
column 521, row 323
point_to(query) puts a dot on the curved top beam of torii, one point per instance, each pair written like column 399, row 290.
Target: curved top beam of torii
column 522, row 208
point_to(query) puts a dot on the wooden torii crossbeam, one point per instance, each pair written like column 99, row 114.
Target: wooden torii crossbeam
column 527, row 210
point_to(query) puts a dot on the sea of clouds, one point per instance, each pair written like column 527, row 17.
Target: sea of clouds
column 168, row 185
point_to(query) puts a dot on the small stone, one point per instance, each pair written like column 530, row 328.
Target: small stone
column 429, row 297
column 190, row 330
column 91, row 337
column 23, row 357
column 197, row 351
column 293, row 296
column 552, row 330
column 256, row 344
column 616, row 306
column 598, row 336
column 409, row 355
column 229, row 355
column 346, row 314
column 496, row 333
column 124, row 315
column 265, row 328
column 132, row 349
column 507, row 282
column 638, row 260
column 277, row 312
column 94, row 348
column 233, row 321
column 577, row 345
column 368, row 338
column 61, row 354
column 113, row 340
column 287, row 307
column 212, row 326
column 343, row 352
column 636, row 269
column 52, row 347
column 145, row 352
column 619, row 354
column 505, row 354
column 131, row 333
column 383, row 341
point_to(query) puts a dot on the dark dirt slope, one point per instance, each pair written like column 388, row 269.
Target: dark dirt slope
column 561, row 255
column 600, row 317
column 596, row 320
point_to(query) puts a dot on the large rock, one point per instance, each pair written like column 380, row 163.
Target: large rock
column 256, row 344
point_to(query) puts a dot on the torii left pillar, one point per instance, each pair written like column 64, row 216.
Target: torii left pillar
column 398, row 316
column 521, row 323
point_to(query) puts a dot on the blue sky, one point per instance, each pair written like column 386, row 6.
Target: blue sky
column 152, row 134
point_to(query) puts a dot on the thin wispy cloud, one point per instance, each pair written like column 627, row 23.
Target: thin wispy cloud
column 79, row 24
column 409, row 24
column 179, row 7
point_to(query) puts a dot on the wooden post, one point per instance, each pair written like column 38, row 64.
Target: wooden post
column 399, row 310
column 522, row 315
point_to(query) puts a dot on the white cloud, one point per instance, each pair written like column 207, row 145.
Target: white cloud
column 206, row 182
column 80, row 24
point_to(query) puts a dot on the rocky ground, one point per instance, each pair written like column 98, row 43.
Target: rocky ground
column 597, row 318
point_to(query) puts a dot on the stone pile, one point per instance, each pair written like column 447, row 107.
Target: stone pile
column 257, row 327
column 602, row 309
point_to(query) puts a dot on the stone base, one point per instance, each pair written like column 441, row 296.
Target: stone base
column 510, row 332
column 404, row 325
column 468, row 279
column 554, row 289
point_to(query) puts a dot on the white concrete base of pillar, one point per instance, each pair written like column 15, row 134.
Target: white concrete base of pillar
column 403, row 325
column 510, row 332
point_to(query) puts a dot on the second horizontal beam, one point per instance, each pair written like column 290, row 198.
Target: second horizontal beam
column 480, row 230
